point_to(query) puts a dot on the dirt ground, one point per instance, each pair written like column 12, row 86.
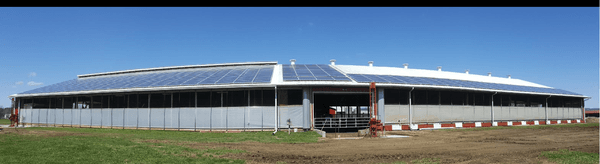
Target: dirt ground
column 490, row 146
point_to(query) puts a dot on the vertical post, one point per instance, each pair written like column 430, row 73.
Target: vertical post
column 63, row 109
column 583, row 110
column 546, row 110
column 226, row 113
column 54, row 112
column 101, row 113
column 165, row 112
column 410, row 110
column 246, row 110
column 195, row 108
column 211, row 105
column 111, row 111
column 306, row 108
column 90, row 109
column 179, row 115
column 48, row 109
column 72, row 106
column 276, row 114
column 381, row 105
column 149, row 113
column 124, row 110
column 137, row 110
column 493, row 119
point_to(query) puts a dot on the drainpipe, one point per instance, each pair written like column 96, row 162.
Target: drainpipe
column 493, row 119
column 546, row 108
column 410, row 110
column 276, row 114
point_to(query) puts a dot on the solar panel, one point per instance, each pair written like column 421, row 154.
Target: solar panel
column 366, row 78
column 230, row 76
column 172, row 79
column 263, row 75
column 247, row 76
column 311, row 72
column 195, row 76
column 195, row 80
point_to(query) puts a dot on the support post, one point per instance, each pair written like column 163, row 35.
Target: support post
column 410, row 110
column 63, row 109
column 546, row 109
column 381, row 105
column 149, row 113
column 493, row 119
column 276, row 114
column 101, row 114
column 583, row 111
column 306, row 108
column 195, row 108
column 179, row 115
column 90, row 108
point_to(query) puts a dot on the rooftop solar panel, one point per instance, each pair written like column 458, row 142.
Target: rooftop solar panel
column 247, row 76
column 311, row 72
column 195, row 76
column 263, row 75
column 365, row 78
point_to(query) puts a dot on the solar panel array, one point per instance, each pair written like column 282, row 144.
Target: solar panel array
column 365, row 78
column 311, row 72
column 182, row 77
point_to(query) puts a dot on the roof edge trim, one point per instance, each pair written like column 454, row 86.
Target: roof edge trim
column 176, row 67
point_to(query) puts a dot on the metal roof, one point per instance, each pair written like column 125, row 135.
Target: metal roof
column 271, row 74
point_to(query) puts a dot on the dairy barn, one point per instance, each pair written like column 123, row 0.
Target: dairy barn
column 254, row 96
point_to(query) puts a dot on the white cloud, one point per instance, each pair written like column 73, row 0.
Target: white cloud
column 31, row 83
column 19, row 83
column 32, row 74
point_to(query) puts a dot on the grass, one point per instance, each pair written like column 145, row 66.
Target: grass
column 421, row 161
column 4, row 122
column 264, row 137
column 565, row 156
column 526, row 127
column 79, row 145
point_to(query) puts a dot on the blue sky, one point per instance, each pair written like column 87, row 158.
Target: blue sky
column 556, row 47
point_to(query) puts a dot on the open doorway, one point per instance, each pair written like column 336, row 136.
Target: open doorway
column 341, row 111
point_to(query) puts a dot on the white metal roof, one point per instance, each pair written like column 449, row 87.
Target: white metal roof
column 374, row 70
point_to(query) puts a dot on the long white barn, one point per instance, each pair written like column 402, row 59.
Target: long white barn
column 268, row 95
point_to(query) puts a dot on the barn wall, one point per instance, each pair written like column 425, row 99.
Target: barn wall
column 218, row 118
column 455, row 113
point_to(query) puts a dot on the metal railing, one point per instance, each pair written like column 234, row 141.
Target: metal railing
column 342, row 122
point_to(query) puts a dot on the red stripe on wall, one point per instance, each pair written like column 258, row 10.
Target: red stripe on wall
column 468, row 125
column 405, row 127
column 447, row 125
column 486, row 124
column 426, row 126
column 503, row 124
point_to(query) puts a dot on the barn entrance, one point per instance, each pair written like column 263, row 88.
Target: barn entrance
column 342, row 112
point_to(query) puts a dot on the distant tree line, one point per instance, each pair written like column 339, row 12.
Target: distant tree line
column 5, row 112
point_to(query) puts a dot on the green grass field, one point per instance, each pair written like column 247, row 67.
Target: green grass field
column 78, row 145
column 4, row 122
column 565, row 156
